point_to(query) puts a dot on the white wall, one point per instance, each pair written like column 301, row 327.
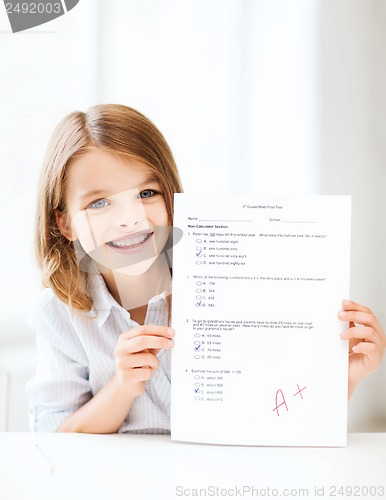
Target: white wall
column 352, row 158
column 252, row 95
column 226, row 81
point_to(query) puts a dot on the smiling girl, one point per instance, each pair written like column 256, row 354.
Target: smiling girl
column 104, row 217
column 103, row 227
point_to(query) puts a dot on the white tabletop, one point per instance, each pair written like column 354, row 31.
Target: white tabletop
column 153, row 467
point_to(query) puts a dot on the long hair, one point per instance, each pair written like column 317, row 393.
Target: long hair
column 112, row 127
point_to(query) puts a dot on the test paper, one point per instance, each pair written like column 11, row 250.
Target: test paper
column 257, row 285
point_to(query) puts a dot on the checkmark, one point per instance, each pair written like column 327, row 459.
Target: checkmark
column 198, row 304
column 197, row 348
column 196, row 390
column 198, row 253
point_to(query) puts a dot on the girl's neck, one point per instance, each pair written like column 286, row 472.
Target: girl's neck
column 134, row 292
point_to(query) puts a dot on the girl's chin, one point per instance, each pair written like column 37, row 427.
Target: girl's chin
column 137, row 269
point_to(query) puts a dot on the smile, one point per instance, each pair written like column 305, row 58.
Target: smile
column 130, row 243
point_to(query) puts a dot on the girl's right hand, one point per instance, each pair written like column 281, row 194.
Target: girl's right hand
column 135, row 355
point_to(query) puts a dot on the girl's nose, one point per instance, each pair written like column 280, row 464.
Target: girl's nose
column 127, row 224
column 131, row 215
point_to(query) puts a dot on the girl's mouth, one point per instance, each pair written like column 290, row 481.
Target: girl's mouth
column 130, row 244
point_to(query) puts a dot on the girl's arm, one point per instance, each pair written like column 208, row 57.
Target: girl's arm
column 136, row 360
column 367, row 342
column 104, row 413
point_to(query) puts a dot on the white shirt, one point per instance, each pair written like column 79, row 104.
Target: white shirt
column 76, row 359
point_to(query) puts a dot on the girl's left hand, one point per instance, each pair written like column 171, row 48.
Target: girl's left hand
column 367, row 342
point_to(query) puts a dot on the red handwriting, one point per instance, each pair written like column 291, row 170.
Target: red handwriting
column 280, row 393
column 300, row 391
column 281, row 404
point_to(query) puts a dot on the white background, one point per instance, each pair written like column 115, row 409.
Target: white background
column 265, row 96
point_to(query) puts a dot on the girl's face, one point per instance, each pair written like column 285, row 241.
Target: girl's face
column 116, row 209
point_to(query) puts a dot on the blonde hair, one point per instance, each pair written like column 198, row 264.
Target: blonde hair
column 112, row 127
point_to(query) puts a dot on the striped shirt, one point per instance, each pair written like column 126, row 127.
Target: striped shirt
column 76, row 359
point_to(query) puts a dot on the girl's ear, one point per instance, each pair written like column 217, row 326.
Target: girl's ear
column 64, row 225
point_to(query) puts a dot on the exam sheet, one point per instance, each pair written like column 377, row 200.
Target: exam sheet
column 257, row 285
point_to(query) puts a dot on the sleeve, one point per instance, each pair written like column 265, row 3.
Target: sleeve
column 61, row 384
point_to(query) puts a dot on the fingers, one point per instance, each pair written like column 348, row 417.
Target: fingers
column 357, row 313
column 135, row 368
column 363, row 318
column 368, row 342
column 135, row 375
column 356, row 334
column 371, row 353
column 154, row 330
column 135, row 354
column 138, row 344
column 145, row 359
column 360, row 332
column 146, row 337
column 369, row 349
column 350, row 305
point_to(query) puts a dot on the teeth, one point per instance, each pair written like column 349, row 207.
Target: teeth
column 131, row 242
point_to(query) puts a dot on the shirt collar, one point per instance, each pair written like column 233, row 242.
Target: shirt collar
column 103, row 301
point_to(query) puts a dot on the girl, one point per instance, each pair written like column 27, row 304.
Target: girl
column 106, row 192
column 104, row 215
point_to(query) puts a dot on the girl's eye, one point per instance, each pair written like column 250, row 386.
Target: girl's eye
column 99, row 204
column 147, row 193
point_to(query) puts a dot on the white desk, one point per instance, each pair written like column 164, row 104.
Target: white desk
column 136, row 467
